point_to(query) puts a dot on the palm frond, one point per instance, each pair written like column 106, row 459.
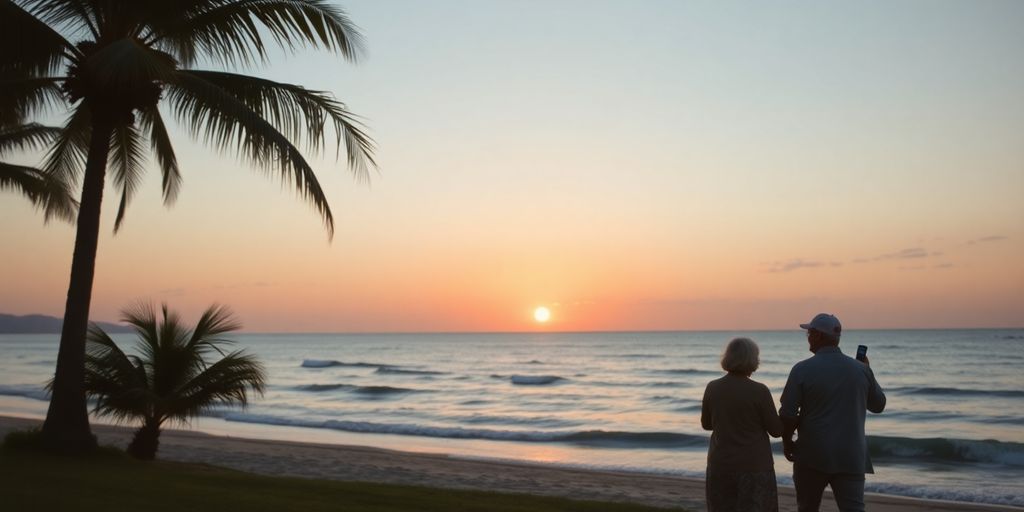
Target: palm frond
column 127, row 158
column 298, row 112
column 116, row 381
column 228, row 123
column 27, row 180
column 41, row 189
column 44, row 190
column 26, row 137
column 77, row 15
column 151, row 122
column 226, row 382
column 65, row 160
column 24, row 97
column 29, row 45
column 233, row 31
column 216, row 320
column 175, row 364
column 142, row 318
column 172, row 331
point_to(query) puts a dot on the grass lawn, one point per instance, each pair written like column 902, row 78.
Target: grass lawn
column 112, row 481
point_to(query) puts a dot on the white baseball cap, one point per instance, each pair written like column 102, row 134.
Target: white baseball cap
column 825, row 323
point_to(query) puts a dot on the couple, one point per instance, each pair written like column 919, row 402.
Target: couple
column 824, row 400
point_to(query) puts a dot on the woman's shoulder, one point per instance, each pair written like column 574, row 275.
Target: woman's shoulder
column 757, row 385
column 717, row 382
column 732, row 380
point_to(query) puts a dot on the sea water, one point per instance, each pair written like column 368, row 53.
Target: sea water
column 953, row 427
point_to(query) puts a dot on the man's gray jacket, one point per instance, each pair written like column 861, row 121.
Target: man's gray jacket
column 829, row 394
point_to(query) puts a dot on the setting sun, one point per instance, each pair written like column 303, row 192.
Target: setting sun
column 542, row 314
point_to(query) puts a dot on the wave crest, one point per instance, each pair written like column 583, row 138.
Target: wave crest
column 535, row 380
column 361, row 390
column 947, row 450
column 391, row 370
column 928, row 390
column 328, row 363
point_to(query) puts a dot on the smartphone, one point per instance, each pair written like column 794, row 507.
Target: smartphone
column 862, row 352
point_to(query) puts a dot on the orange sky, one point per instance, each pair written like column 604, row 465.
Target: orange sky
column 697, row 167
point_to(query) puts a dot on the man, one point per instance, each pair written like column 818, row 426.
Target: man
column 825, row 400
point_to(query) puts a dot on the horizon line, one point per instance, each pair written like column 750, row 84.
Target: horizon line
column 636, row 331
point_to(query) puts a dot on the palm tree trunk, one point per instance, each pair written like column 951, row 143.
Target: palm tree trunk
column 67, row 421
column 146, row 441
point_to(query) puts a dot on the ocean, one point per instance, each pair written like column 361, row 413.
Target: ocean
column 953, row 427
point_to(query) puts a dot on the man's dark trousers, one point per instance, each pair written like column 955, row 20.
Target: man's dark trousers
column 848, row 489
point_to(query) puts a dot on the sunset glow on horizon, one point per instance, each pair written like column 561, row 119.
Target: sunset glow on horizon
column 630, row 166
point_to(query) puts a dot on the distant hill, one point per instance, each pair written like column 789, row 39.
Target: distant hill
column 42, row 324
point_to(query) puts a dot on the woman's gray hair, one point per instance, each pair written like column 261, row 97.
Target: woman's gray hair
column 741, row 356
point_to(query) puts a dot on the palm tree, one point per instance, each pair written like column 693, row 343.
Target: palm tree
column 41, row 189
column 132, row 56
column 170, row 378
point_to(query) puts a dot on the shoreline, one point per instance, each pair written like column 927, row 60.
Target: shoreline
column 371, row 464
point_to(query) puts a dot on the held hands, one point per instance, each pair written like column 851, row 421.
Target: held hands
column 789, row 448
column 789, row 426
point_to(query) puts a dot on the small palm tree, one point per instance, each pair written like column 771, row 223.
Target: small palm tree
column 42, row 189
column 170, row 378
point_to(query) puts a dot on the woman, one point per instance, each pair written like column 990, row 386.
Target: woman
column 740, row 414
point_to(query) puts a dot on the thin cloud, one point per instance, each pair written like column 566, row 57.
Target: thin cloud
column 172, row 292
column 728, row 302
column 987, row 239
column 912, row 253
column 236, row 286
column 908, row 254
column 905, row 254
column 798, row 264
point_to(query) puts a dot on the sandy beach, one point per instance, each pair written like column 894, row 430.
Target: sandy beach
column 360, row 463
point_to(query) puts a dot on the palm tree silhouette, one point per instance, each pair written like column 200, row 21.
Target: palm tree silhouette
column 170, row 379
column 42, row 189
column 132, row 56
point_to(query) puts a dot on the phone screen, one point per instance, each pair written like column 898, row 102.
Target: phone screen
column 862, row 352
